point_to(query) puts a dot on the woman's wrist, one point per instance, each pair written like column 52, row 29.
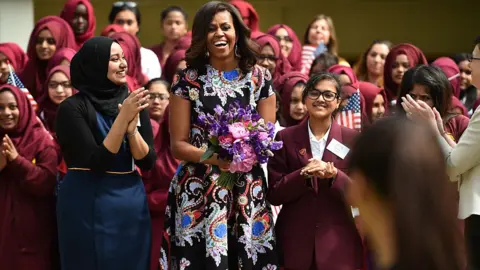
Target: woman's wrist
column 131, row 134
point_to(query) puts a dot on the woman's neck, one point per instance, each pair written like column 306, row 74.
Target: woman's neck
column 373, row 78
column 319, row 127
column 169, row 46
column 224, row 64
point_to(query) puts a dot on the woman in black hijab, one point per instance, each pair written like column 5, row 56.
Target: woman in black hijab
column 103, row 131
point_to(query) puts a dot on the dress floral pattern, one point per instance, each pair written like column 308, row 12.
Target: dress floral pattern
column 207, row 226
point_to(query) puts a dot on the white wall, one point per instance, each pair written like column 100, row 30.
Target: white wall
column 16, row 21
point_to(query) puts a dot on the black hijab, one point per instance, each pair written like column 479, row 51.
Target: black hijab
column 89, row 68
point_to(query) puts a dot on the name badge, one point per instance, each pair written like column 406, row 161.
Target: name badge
column 338, row 149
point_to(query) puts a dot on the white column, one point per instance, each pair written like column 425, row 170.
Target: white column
column 16, row 21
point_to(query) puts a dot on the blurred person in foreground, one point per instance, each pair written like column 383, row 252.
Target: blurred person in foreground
column 462, row 158
column 407, row 206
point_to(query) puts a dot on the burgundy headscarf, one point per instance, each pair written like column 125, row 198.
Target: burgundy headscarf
column 295, row 56
column 18, row 58
column 341, row 69
column 47, row 107
column 284, row 85
column 34, row 74
column 415, row 57
column 131, row 48
column 282, row 64
column 370, row 92
column 171, row 64
column 456, row 103
column 247, row 11
column 451, row 70
column 29, row 137
column 68, row 13
column 59, row 56
column 115, row 28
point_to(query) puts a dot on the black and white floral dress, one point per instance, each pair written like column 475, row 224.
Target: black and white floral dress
column 207, row 226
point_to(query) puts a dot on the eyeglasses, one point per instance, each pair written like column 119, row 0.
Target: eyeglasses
column 315, row 94
column 162, row 97
column 470, row 58
column 271, row 58
column 284, row 38
column 122, row 4
column 50, row 41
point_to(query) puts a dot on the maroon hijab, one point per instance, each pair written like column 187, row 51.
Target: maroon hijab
column 29, row 137
column 456, row 103
column 451, row 70
column 295, row 56
column 282, row 64
column 341, row 69
column 34, row 74
column 370, row 92
column 68, row 14
column 59, row 56
column 247, row 11
column 172, row 63
column 131, row 48
column 115, row 28
column 48, row 109
column 415, row 57
column 18, row 58
column 284, row 85
column 184, row 43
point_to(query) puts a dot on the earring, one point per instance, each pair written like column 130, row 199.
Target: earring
column 207, row 54
column 236, row 51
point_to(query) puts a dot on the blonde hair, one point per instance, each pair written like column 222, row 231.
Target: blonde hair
column 333, row 42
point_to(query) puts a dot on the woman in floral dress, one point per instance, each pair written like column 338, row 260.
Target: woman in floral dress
column 207, row 226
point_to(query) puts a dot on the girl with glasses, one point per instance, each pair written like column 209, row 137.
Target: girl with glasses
column 315, row 229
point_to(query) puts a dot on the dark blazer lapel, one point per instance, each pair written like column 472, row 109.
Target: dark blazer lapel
column 302, row 143
column 335, row 133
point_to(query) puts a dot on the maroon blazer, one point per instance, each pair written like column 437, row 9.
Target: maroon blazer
column 315, row 228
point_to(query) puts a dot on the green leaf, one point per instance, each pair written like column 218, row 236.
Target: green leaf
column 214, row 141
column 208, row 154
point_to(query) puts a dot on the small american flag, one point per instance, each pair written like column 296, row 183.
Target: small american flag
column 350, row 116
column 15, row 81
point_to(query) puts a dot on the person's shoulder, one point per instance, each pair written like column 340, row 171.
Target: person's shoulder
column 148, row 53
column 289, row 132
column 74, row 102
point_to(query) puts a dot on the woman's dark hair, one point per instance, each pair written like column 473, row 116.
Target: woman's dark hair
column 278, row 100
column 169, row 9
column 403, row 163
column 361, row 67
column 325, row 59
column 196, row 56
column 117, row 9
column 458, row 58
column 157, row 80
column 318, row 77
column 434, row 80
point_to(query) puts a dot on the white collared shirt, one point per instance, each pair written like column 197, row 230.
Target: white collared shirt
column 318, row 146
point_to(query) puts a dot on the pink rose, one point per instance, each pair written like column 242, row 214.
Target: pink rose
column 246, row 164
column 226, row 140
column 263, row 136
column 238, row 130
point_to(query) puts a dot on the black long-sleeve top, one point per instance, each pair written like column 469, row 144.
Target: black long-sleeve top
column 82, row 143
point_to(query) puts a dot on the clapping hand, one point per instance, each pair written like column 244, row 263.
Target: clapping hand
column 421, row 111
column 134, row 103
column 8, row 149
column 320, row 169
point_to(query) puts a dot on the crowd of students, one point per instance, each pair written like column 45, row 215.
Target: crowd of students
column 312, row 84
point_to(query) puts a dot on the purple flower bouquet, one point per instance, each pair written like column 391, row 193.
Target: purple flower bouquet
column 238, row 135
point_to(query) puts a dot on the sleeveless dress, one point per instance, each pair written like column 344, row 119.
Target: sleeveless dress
column 206, row 226
column 103, row 219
